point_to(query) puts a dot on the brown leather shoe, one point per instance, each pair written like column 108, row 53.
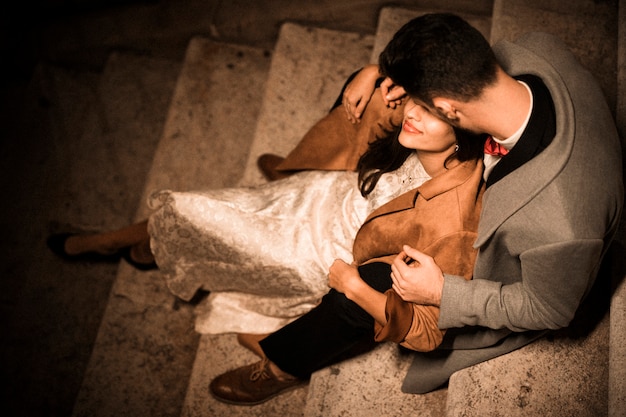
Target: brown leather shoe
column 250, row 385
column 267, row 163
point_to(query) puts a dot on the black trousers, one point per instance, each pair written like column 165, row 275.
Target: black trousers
column 333, row 331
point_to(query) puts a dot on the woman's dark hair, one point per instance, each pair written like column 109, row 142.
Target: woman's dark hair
column 439, row 55
column 386, row 154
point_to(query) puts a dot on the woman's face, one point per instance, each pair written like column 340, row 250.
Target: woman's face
column 425, row 132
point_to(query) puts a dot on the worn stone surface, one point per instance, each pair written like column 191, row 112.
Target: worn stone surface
column 143, row 353
column 617, row 351
column 617, row 346
column 551, row 377
column 146, row 344
column 165, row 27
column 65, row 170
column 212, row 120
column 369, row 385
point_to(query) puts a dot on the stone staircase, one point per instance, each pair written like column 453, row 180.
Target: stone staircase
column 232, row 103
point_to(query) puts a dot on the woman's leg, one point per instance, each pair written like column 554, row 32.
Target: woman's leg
column 108, row 242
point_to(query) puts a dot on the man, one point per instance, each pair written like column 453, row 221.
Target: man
column 551, row 209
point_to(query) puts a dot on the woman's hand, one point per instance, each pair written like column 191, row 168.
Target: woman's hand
column 346, row 279
column 416, row 277
column 343, row 277
column 392, row 94
column 358, row 93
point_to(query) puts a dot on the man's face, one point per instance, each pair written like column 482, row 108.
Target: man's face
column 456, row 113
column 442, row 109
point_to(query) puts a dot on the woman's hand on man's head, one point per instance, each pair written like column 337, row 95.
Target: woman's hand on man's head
column 392, row 94
column 358, row 92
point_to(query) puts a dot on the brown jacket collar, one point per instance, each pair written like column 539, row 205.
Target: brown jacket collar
column 450, row 179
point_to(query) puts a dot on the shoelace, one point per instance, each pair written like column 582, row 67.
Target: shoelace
column 261, row 372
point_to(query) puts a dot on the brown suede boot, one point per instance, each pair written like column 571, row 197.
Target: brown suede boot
column 267, row 163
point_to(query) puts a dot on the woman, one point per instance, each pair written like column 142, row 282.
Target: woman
column 263, row 252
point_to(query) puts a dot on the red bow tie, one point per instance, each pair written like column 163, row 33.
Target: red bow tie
column 494, row 148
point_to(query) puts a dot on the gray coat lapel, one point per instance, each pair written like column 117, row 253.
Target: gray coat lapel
column 512, row 192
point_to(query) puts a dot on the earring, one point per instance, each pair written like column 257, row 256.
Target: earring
column 456, row 148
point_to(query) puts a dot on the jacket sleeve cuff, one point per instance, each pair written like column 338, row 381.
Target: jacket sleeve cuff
column 399, row 315
column 452, row 294
column 410, row 325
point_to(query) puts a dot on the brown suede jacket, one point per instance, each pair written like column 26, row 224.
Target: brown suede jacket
column 439, row 218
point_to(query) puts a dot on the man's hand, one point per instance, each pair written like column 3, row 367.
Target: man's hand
column 416, row 277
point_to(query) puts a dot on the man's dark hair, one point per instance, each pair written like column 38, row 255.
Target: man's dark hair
column 439, row 55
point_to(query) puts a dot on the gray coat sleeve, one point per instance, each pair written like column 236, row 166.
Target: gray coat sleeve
column 555, row 278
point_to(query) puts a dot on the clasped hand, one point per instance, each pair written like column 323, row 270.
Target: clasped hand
column 416, row 277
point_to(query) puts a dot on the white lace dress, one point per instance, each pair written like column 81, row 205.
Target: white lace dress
column 264, row 252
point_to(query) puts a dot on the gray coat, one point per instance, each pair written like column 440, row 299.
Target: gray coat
column 543, row 229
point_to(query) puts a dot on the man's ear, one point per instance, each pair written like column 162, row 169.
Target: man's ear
column 446, row 108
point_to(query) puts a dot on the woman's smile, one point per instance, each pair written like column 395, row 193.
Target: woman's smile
column 408, row 127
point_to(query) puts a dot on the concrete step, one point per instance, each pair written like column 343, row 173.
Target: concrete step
column 114, row 157
column 146, row 344
column 212, row 118
column 368, row 386
column 105, row 136
column 567, row 375
column 46, row 332
column 68, row 168
column 133, row 98
column 308, row 68
column 564, row 376
column 617, row 343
